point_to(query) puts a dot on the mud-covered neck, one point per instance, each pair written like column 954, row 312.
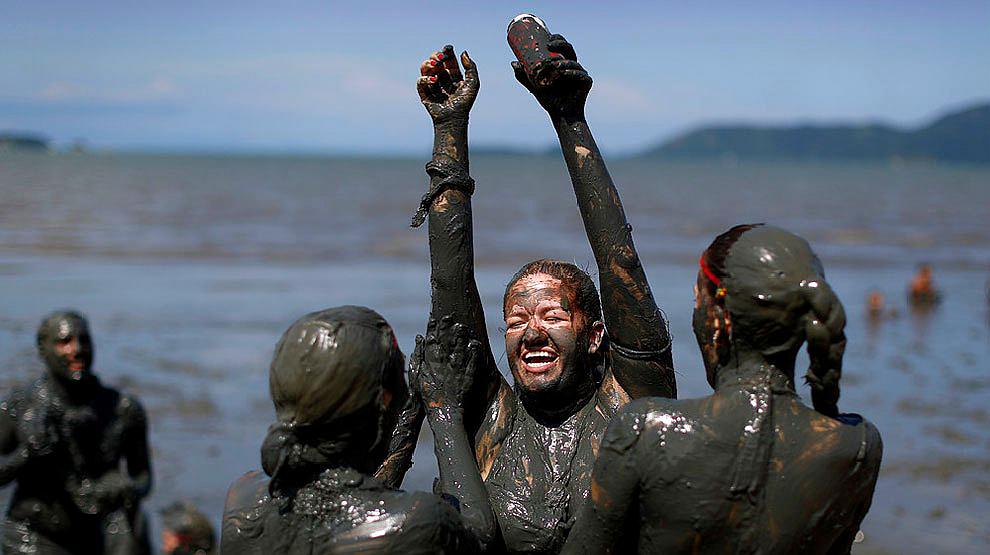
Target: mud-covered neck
column 552, row 409
column 745, row 365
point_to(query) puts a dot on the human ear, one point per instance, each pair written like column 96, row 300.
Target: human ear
column 597, row 335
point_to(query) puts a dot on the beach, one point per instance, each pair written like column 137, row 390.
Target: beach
column 191, row 267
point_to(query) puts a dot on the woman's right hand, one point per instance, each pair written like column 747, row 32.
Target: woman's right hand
column 447, row 95
column 443, row 366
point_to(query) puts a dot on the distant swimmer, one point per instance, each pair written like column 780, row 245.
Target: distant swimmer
column 876, row 306
column 922, row 291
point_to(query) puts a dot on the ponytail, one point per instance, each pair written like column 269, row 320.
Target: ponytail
column 824, row 329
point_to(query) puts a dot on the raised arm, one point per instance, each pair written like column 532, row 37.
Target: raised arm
column 448, row 97
column 637, row 330
column 443, row 369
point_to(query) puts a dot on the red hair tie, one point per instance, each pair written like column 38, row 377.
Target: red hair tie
column 708, row 272
column 720, row 291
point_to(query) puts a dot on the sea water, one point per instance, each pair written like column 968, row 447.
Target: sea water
column 190, row 268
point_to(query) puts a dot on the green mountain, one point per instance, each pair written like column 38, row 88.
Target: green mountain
column 962, row 136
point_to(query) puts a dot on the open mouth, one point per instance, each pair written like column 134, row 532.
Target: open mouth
column 76, row 365
column 539, row 361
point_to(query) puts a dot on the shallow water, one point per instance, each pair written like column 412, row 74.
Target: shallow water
column 191, row 267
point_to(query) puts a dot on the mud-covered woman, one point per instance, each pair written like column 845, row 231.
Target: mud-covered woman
column 337, row 383
column 574, row 359
column 749, row 469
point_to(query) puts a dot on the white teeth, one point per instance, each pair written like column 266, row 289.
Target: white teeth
column 539, row 358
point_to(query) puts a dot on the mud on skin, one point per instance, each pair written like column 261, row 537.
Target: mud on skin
column 534, row 444
column 337, row 384
column 749, row 469
column 63, row 441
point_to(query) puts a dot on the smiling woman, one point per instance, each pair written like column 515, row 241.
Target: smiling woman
column 535, row 442
column 554, row 332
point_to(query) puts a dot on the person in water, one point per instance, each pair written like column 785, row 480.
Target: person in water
column 535, row 442
column 922, row 291
column 336, row 380
column 64, row 440
column 749, row 469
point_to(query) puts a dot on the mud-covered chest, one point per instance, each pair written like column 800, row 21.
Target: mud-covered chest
column 540, row 478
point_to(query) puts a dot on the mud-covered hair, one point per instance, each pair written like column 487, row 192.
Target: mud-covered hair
column 577, row 280
column 49, row 325
column 326, row 380
column 777, row 295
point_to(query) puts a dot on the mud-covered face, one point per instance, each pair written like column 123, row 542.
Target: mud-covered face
column 705, row 323
column 547, row 338
column 68, row 349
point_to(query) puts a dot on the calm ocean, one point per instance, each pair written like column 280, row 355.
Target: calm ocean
column 191, row 267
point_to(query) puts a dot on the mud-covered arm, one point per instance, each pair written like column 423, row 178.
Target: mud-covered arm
column 13, row 455
column 443, row 366
column 448, row 97
column 26, row 435
column 641, row 358
column 403, row 443
column 600, row 525
column 868, row 469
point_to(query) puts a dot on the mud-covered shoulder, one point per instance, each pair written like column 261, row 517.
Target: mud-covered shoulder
column 247, row 492
column 16, row 401
column 130, row 407
column 871, row 447
column 496, row 424
column 633, row 420
column 417, row 523
column 434, row 525
column 246, row 500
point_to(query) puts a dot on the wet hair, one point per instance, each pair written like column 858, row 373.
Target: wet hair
column 577, row 280
column 326, row 380
column 777, row 295
column 716, row 253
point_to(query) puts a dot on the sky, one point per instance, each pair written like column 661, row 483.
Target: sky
column 339, row 77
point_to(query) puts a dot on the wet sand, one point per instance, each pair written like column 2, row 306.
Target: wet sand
column 191, row 268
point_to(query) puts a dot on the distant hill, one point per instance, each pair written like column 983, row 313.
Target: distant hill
column 962, row 136
column 22, row 141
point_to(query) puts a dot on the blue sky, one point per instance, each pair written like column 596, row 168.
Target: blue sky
column 339, row 77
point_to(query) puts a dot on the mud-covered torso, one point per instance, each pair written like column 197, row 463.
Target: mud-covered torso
column 702, row 487
column 89, row 441
column 541, row 476
column 342, row 511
